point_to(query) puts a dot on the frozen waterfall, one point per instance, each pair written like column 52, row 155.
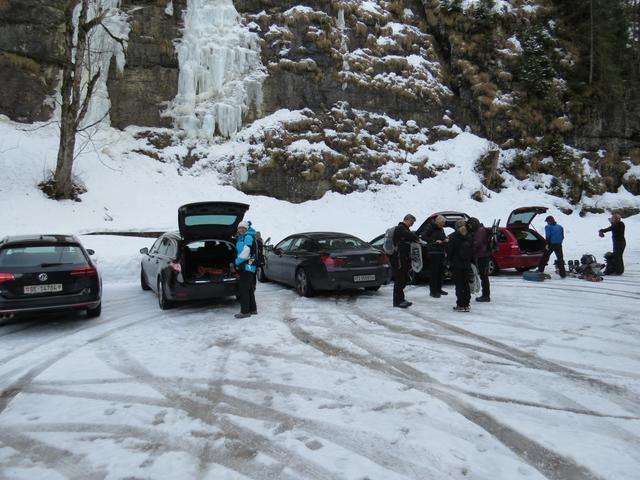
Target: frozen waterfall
column 102, row 48
column 221, row 73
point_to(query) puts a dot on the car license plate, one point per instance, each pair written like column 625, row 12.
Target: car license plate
column 50, row 287
column 364, row 278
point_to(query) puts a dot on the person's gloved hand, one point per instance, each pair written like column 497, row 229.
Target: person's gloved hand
column 600, row 233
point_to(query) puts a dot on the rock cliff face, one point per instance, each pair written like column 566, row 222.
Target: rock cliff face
column 374, row 81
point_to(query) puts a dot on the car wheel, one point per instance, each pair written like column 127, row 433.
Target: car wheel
column 492, row 267
column 523, row 269
column 162, row 299
column 94, row 312
column 262, row 277
column 303, row 286
column 372, row 289
column 143, row 281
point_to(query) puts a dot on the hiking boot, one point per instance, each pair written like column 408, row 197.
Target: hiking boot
column 434, row 295
column 483, row 299
column 253, row 312
column 442, row 292
column 242, row 315
column 461, row 309
column 404, row 304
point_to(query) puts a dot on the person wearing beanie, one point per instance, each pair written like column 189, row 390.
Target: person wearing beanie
column 245, row 263
column 554, row 234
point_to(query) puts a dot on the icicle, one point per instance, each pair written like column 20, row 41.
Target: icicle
column 102, row 48
column 221, row 72
column 344, row 48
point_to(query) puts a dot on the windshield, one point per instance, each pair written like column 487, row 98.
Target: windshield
column 342, row 243
column 42, row 256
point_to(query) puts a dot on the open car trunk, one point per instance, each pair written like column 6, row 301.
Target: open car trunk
column 208, row 260
column 528, row 241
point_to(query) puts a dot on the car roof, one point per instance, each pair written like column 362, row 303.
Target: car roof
column 39, row 238
column 322, row 235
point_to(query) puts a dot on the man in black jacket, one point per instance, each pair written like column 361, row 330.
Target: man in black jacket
column 436, row 242
column 460, row 252
column 619, row 244
column 401, row 259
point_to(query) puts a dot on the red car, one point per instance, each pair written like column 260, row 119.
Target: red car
column 519, row 246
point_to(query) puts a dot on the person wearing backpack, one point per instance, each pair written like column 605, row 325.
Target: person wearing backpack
column 481, row 237
column 246, row 263
column 619, row 244
column 401, row 257
column 436, row 240
column 554, row 234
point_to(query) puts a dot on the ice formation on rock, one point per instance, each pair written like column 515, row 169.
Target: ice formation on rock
column 102, row 49
column 221, row 72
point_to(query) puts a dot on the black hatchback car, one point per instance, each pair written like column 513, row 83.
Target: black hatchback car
column 325, row 261
column 45, row 273
column 197, row 262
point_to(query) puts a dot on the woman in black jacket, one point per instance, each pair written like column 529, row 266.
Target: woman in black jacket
column 619, row 244
column 460, row 252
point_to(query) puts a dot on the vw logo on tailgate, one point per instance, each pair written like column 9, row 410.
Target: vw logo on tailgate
column 43, row 277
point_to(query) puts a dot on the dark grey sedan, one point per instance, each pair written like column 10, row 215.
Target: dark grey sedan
column 325, row 261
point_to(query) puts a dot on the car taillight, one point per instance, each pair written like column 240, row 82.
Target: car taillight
column 176, row 266
column 383, row 260
column 84, row 272
column 333, row 262
column 5, row 277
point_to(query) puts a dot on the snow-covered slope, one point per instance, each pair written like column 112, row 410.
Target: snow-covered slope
column 131, row 191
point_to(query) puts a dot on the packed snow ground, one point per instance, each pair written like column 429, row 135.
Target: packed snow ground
column 541, row 383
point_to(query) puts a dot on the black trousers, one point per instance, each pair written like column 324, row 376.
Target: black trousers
column 436, row 270
column 400, row 279
column 557, row 249
column 483, row 271
column 618, row 250
column 246, row 291
column 461, row 277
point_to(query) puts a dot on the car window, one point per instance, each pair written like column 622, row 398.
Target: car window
column 165, row 247
column 341, row 243
column 285, row 244
column 155, row 246
column 295, row 245
column 378, row 242
column 41, row 255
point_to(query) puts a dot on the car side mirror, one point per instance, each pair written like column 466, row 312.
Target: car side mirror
column 277, row 251
column 144, row 251
column 91, row 252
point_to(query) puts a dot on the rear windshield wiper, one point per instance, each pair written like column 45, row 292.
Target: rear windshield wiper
column 54, row 264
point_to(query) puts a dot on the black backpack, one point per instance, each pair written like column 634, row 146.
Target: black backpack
column 257, row 250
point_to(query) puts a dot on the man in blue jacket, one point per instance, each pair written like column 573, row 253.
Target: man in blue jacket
column 245, row 263
column 554, row 234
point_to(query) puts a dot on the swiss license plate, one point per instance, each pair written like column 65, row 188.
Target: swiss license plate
column 49, row 287
column 364, row 278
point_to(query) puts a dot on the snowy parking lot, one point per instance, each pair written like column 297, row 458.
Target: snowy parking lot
column 544, row 382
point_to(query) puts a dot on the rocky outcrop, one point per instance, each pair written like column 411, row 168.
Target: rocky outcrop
column 150, row 76
column 31, row 53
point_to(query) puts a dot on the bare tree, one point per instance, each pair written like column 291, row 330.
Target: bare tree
column 77, row 89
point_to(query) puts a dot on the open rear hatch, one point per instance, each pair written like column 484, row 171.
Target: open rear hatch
column 210, row 220
column 522, row 217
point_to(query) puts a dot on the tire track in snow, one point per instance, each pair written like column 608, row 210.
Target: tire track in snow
column 619, row 395
column 250, row 441
column 547, row 462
